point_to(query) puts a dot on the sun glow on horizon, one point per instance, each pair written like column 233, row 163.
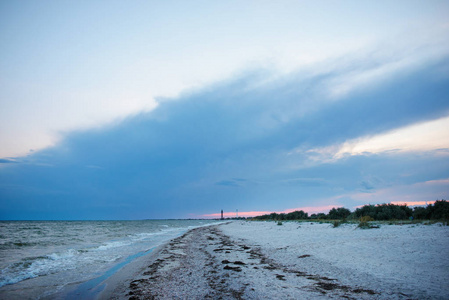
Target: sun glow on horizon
column 308, row 209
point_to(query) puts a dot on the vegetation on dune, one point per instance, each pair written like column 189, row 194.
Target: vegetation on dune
column 296, row 215
column 382, row 212
column 337, row 223
column 364, row 222
column 385, row 212
column 340, row 213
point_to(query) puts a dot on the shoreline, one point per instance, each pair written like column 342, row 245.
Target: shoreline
column 115, row 281
column 253, row 260
column 118, row 283
column 68, row 268
column 122, row 284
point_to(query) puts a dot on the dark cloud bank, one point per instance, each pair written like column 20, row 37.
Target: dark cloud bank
column 237, row 144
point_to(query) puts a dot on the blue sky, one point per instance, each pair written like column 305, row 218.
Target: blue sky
column 175, row 110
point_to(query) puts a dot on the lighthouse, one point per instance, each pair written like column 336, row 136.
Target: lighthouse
column 222, row 214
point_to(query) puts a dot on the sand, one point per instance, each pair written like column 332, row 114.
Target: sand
column 262, row 260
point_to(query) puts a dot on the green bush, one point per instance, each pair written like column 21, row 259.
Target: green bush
column 383, row 212
column 439, row 210
column 338, row 213
column 364, row 222
column 337, row 224
column 295, row 215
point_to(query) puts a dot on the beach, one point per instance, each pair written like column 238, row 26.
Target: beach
column 295, row 260
column 71, row 259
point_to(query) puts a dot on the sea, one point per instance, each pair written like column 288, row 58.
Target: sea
column 44, row 257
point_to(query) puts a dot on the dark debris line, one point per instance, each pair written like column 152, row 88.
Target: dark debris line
column 200, row 265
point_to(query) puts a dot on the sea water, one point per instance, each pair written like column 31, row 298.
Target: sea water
column 61, row 253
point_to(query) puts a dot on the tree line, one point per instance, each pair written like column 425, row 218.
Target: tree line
column 381, row 212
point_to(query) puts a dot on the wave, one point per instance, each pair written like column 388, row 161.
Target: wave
column 76, row 256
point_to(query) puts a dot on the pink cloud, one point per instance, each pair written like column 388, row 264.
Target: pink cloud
column 412, row 203
column 308, row 209
column 240, row 214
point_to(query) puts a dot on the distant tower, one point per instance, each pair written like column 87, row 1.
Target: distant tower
column 222, row 214
column 236, row 213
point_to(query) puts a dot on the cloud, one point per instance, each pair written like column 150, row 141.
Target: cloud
column 384, row 66
column 6, row 161
column 418, row 193
column 244, row 143
column 305, row 181
column 366, row 185
column 421, row 137
column 413, row 203
column 230, row 183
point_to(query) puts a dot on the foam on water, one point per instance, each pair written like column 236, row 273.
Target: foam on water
column 78, row 251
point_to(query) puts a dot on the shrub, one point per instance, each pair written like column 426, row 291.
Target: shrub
column 366, row 219
column 337, row 224
column 364, row 225
column 440, row 210
column 420, row 213
column 385, row 212
column 382, row 212
column 321, row 216
column 297, row 215
column 364, row 222
column 279, row 223
column 338, row 213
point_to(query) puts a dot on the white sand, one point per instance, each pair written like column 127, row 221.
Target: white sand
column 261, row 260
column 408, row 260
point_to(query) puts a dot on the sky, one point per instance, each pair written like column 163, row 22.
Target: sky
column 179, row 109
